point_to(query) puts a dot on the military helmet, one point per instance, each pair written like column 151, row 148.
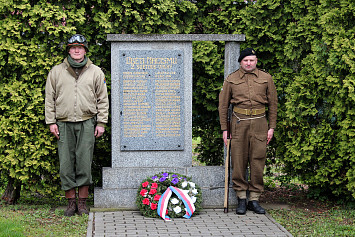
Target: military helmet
column 77, row 39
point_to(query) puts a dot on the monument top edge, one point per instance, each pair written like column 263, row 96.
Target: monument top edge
column 175, row 37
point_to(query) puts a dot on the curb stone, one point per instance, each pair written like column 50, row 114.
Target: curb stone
column 90, row 224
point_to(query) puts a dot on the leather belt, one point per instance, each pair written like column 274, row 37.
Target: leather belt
column 249, row 111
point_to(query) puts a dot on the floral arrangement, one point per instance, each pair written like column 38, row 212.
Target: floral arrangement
column 152, row 188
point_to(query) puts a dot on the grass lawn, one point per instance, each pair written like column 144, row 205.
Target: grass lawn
column 39, row 220
column 10, row 227
column 334, row 221
column 40, row 216
column 308, row 217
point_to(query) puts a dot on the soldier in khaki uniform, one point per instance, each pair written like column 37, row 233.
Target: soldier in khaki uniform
column 249, row 90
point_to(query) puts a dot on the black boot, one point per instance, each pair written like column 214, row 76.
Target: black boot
column 242, row 207
column 255, row 207
column 71, row 208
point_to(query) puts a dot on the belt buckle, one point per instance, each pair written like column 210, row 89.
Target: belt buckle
column 251, row 112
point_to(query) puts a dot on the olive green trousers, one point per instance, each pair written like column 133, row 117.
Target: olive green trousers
column 248, row 148
column 75, row 149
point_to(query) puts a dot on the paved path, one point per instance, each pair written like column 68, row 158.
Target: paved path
column 210, row 222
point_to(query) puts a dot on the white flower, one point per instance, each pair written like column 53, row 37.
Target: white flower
column 194, row 191
column 192, row 184
column 177, row 209
column 184, row 184
column 185, row 191
column 193, row 199
column 174, row 201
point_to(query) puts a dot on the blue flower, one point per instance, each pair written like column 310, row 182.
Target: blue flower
column 174, row 175
column 165, row 174
column 154, row 177
column 162, row 179
column 175, row 180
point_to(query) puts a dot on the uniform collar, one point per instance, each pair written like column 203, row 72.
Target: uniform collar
column 242, row 72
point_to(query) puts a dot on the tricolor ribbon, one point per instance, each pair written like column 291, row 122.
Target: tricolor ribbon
column 164, row 200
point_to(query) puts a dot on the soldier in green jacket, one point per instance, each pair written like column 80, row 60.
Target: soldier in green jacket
column 76, row 110
column 249, row 90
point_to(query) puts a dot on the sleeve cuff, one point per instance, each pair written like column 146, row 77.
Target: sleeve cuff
column 100, row 125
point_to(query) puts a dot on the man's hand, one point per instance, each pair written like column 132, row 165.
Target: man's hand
column 99, row 131
column 225, row 137
column 270, row 134
column 54, row 130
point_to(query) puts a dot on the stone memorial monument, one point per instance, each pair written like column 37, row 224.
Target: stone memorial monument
column 151, row 105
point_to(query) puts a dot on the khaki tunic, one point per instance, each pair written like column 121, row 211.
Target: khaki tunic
column 254, row 90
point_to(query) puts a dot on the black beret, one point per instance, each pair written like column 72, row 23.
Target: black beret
column 246, row 52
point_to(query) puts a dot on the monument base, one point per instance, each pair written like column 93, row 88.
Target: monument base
column 120, row 185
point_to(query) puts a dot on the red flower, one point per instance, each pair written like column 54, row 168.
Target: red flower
column 145, row 184
column 143, row 192
column 146, row 201
column 153, row 206
column 154, row 185
column 153, row 191
column 157, row 197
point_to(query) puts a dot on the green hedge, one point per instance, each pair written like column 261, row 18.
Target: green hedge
column 308, row 47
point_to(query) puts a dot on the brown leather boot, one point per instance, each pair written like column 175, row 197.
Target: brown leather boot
column 82, row 209
column 71, row 208
column 83, row 196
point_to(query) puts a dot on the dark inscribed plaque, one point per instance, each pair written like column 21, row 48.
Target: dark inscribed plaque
column 151, row 99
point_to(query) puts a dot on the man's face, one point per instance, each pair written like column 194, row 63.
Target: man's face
column 249, row 63
column 77, row 53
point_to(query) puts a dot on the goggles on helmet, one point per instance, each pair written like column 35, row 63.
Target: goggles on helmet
column 76, row 39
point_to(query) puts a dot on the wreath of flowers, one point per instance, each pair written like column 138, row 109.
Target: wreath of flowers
column 151, row 189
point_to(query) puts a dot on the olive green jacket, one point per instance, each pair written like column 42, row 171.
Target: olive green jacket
column 254, row 90
column 75, row 98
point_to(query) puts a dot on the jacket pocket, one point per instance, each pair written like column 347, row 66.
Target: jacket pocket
column 260, row 90
column 239, row 87
column 88, row 103
column 90, row 109
column 61, row 112
column 260, row 86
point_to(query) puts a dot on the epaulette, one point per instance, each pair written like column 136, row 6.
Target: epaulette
column 232, row 73
column 232, row 76
column 264, row 70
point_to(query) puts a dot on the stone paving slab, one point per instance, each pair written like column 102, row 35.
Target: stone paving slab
column 209, row 222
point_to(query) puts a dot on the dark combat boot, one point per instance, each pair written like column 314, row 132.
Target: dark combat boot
column 71, row 208
column 83, row 196
column 242, row 207
column 255, row 207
